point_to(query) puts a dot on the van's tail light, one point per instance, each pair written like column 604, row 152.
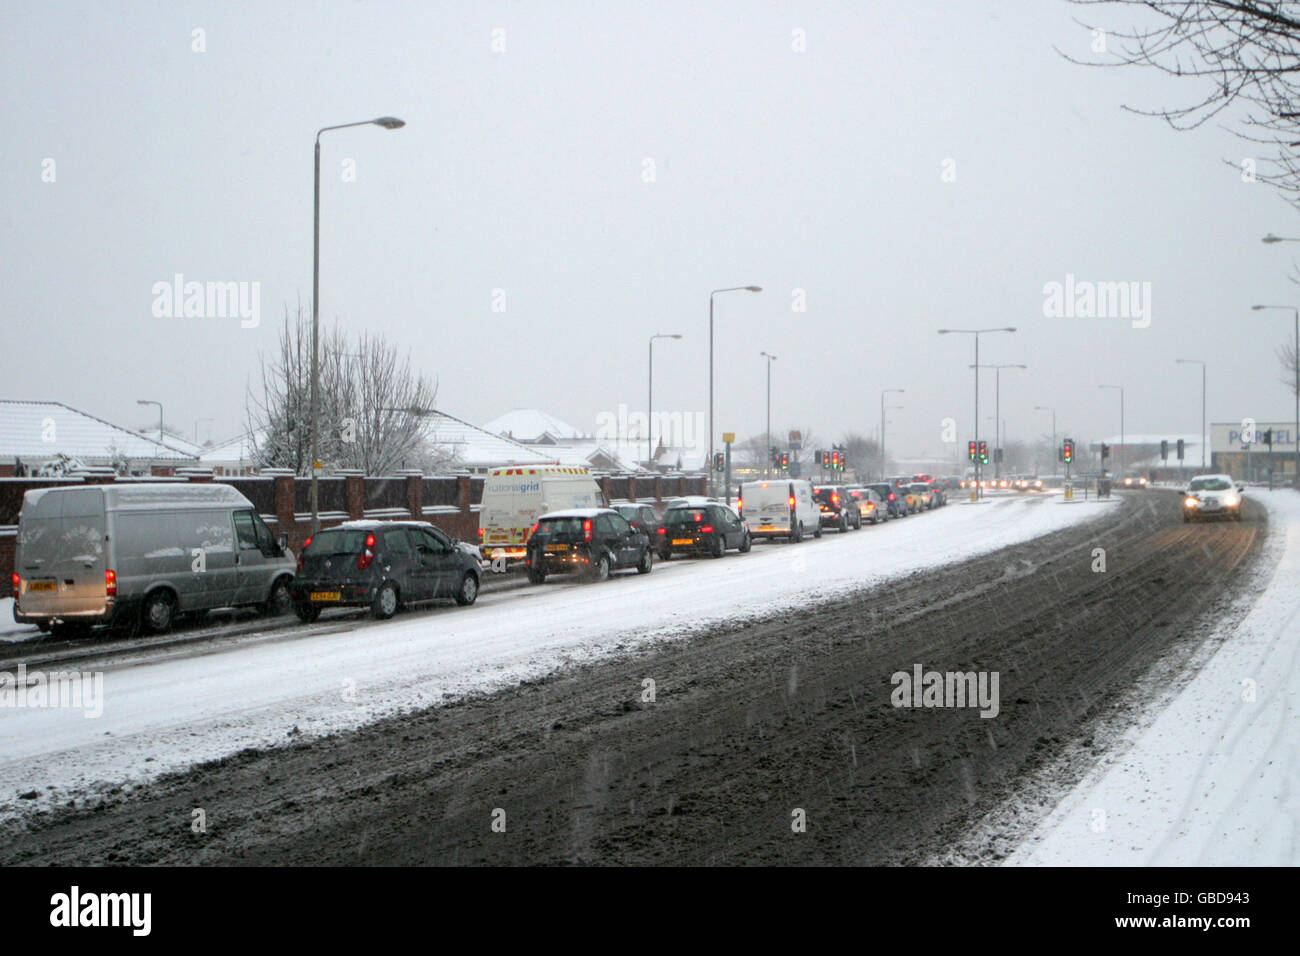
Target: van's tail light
column 792, row 502
column 17, row 584
column 586, row 530
column 110, row 583
column 364, row 559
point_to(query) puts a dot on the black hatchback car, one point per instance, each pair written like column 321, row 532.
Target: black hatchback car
column 589, row 541
column 895, row 503
column 646, row 519
column 838, row 508
column 383, row 565
column 707, row 529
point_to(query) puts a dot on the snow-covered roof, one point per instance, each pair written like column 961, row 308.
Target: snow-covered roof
column 36, row 431
column 238, row 449
column 475, row 447
column 531, row 425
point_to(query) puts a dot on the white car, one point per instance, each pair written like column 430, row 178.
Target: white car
column 1212, row 496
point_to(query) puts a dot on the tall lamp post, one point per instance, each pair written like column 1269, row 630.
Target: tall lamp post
column 1295, row 435
column 767, row 466
column 1123, row 464
column 1046, row 408
column 145, row 401
column 736, row 288
column 977, row 333
column 650, row 398
column 884, row 461
column 387, row 122
column 997, row 411
column 1203, row 438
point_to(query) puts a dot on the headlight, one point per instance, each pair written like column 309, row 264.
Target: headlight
column 1191, row 502
column 1230, row 501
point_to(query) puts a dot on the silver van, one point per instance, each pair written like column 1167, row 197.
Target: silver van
column 149, row 552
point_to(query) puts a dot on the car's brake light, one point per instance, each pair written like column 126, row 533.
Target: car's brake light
column 835, row 499
column 586, row 530
column 306, row 544
column 662, row 531
column 17, row 584
column 110, row 583
column 706, row 529
column 699, row 517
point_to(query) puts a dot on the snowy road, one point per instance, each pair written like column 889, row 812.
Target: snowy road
column 1214, row 779
column 170, row 714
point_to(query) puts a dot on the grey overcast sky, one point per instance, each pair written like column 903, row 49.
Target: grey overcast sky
column 524, row 170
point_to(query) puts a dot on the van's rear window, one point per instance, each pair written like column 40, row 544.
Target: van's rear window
column 337, row 542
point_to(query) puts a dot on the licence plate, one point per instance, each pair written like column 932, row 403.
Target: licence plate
column 683, row 540
column 42, row 586
column 557, row 547
column 768, row 527
column 326, row 596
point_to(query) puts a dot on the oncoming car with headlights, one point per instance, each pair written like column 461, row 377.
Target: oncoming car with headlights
column 1212, row 496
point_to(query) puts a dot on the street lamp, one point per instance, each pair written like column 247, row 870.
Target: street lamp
column 145, row 401
column 770, row 359
column 977, row 333
column 1203, row 438
column 997, row 411
column 884, row 462
column 1295, row 436
column 736, row 288
column 1123, row 448
column 387, row 122
column 1046, row 408
column 650, row 397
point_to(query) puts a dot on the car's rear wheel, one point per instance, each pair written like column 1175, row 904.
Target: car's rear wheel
column 384, row 605
column 646, row 563
column 844, row 524
column 158, row 612
column 719, row 546
column 467, row 593
column 746, row 543
column 600, row 570
column 817, row 533
column 306, row 611
column 535, row 576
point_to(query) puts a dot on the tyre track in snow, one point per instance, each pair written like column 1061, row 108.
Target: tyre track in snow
column 750, row 724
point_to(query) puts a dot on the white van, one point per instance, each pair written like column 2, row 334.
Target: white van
column 780, row 509
column 143, row 552
column 515, row 496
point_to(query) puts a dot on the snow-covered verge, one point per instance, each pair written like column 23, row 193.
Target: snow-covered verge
column 1214, row 778
column 170, row 714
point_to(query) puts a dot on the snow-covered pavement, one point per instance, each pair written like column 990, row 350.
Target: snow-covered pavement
column 1214, row 779
column 170, row 714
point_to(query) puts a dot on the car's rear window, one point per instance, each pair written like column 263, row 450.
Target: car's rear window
column 561, row 526
column 337, row 542
column 685, row 516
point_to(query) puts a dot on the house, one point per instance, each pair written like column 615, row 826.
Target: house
column 54, row 438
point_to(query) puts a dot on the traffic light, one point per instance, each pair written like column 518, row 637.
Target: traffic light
column 984, row 453
column 1180, row 449
column 971, row 451
column 1268, row 438
column 835, row 461
column 719, row 462
column 1164, row 450
column 1067, row 450
column 1105, row 451
column 997, row 455
column 785, row 461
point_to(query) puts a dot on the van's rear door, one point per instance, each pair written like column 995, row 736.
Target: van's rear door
column 62, row 553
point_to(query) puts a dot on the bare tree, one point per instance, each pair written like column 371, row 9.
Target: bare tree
column 1241, row 55
column 860, row 453
column 371, row 403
